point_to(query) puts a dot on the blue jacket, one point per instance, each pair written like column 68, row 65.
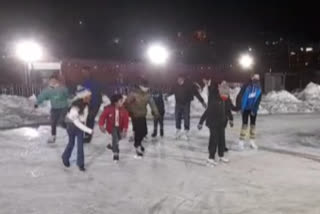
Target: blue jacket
column 251, row 98
column 94, row 87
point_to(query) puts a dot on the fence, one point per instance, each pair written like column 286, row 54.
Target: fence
column 20, row 90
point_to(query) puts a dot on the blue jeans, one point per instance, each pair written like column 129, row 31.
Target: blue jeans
column 57, row 116
column 73, row 133
column 182, row 111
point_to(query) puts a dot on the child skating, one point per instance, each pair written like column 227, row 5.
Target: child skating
column 76, row 120
column 215, row 117
column 58, row 95
column 115, row 120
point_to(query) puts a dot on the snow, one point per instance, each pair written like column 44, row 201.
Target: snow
column 282, row 177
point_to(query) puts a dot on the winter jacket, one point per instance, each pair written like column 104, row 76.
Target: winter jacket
column 184, row 93
column 108, row 118
column 158, row 99
column 218, row 112
column 79, row 120
column 58, row 97
column 137, row 101
column 249, row 97
column 94, row 87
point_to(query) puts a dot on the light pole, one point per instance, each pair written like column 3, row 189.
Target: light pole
column 28, row 51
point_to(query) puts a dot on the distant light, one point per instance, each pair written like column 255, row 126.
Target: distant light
column 293, row 53
column 250, row 49
column 302, row 49
column 246, row 61
column 309, row 49
column 158, row 54
column 29, row 51
column 307, row 63
column 80, row 22
column 116, row 40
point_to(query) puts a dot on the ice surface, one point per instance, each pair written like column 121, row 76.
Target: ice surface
column 172, row 178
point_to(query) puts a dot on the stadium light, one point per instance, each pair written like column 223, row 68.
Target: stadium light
column 246, row 61
column 157, row 54
column 29, row 51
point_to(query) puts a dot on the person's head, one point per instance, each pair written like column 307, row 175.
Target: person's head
column 83, row 94
column 224, row 90
column 181, row 80
column 255, row 78
column 206, row 80
column 117, row 100
column 143, row 85
column 86, row 72
column 53, row 81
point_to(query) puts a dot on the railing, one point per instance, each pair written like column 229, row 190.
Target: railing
column 20, row 90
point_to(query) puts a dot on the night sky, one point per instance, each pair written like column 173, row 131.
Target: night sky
column 113, row 29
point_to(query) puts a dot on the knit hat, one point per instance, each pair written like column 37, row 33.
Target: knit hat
column 143, row 82
column 81, row 93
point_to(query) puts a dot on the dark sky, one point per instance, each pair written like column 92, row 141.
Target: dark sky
column 57, row 23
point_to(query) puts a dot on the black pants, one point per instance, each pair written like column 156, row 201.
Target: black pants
column 182, row 111
column 93, row 111
column 217, row 140
column 156, row 122
column 116, row 137
column 245, row 118
column 140, row 130
column 57, row 116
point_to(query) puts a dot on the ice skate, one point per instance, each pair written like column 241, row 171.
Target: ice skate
column 211, row 162
column 139, row 153
column 178, row 134
column 253, row 145
column 241, row 145
column 115, row 158
column 52, row 139
column 224, row 160
column 185, row 136
column 82, row 169
column 109, row 146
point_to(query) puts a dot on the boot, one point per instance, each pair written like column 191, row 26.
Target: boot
column 82, row 169
column 224, row 160
column 52, row 139
column 115, row 157
column 253, row 145
column 161, row 133
column 109, row 146
column 241, row 145
column 178, row 134
column 154, row 134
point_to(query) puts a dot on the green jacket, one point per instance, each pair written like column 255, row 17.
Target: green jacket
column 58, row 97
column 137, row 102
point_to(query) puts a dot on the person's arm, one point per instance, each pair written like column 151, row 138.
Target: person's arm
column 154, row 109
column 74, row 117
column 257, row 104
column 198, row 96
column 203, row 117
column 43, row 96
column 229, row 108
column 125, row 120
column 103, row 117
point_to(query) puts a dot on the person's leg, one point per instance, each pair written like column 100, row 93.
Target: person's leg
column 253, row 119
column 139, row 135
column 161, row 125
column 221, row 141
column 212, row 145
column 80, row 152
column 115, row 140
column 54, row 115
column 68, row 150
column 155, row 127
column 178, row 114
column 245, row 118
column 186, row 116
column 62, row 115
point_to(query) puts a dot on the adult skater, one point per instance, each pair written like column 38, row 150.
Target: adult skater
column 248, row 101
column 158, row 99
column 115, row 120
column 184, row 92
column 58, row 95
column 136, row 103
column 216, row 117
column 76, row 120
column 96, row 100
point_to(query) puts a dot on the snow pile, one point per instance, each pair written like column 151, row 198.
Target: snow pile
column 311, row 92
column 15, row 110
column 284, row 102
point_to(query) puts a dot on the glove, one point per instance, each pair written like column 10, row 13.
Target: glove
column 199, row 126
column 36, row 106
column 102, row 129
column 204, row 105
column 231, row 123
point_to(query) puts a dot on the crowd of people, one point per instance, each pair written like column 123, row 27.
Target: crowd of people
column 78, row 117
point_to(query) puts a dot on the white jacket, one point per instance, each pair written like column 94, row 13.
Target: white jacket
column 79, row 120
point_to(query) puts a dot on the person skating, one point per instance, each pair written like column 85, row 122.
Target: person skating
column 115, row 120
column 248, row 100
column 184, row 92
column 158, row 99
column 96, row 100
column 215, row 117
column 76, row 120
column 136, row 103
column 58, row 95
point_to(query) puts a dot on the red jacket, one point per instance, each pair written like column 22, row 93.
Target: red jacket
column 108, row 117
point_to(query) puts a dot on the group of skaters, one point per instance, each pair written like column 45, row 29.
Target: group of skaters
column 77, row 114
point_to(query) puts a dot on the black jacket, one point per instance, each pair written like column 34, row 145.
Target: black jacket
column 184, row 93
column 218, row 112
column 158, row 99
